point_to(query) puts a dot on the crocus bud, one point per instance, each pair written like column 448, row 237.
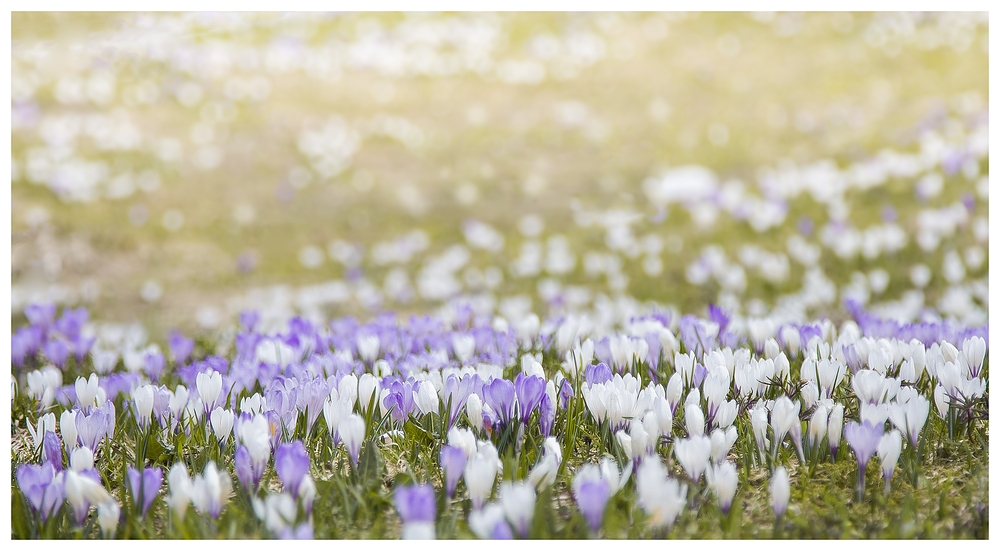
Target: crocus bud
column 209, row 388
column 888, row 453
column 222, row 423
column 835, row 428
column 723, row 480
column 694, row 454
column 474, row 409
column 82, row 459
column 480, row 472
column 780, row 491
column 108, row 515
column 694, row 420
column 67, row 428
column 352, row 434
column 518, row 502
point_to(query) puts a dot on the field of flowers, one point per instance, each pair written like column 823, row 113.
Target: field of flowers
column 499, row 276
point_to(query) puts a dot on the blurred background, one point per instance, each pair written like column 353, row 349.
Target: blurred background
column 177, row 169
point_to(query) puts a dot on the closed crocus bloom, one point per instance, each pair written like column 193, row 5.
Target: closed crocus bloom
column 835, row 428
column 474, row 410
column 723, row 480
column 910, row 417
column 86, row 391
column 416, row 508
column 178, row 401
column 209, row 388
column 52, row 450
column 544, row 472
column 46, row 423
column 426, row 398
column 348, row 388
column 81, row 492
column 488, row 523
column 518, row 502
column 674, row 391
column 368, row 388
column 67, row 428
column 694, row 420
column 42, row 486
column 694, row 454
column 591, row 493
column 222, row 423
column 758, row 420
column 480, row 473
column 975, row 352
column 108, row 515
column 664, row 416
column 661, row 497
column 144, row 486
column 818, row 425
column 783, row 415
column 210, row 490
column 180, row 485
column 291, row 462
column 82, row 459
column 143, row 399
column 453, row 465
column 780, row 491
column 352, row 434
column 888, row 451
column 464, row 440
column 722, row 442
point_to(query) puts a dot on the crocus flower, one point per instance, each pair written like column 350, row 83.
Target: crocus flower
column 529, row 390
column 82, row 459
column 222, row 423
column 108, row 515
column 723, row 480
column 352, row 434
column 82, row 491
column 835, row 428
column 144, row 487
column 546, row 416
column 488, row 523
column 783, row 415
column 181, row 489
column 660, row 496
column 42, row 486
column 52, row 450
column 180, row 347
column 143, row 401
column 591, row 494
column 694, row 454
column 291, row 462
column 780, row 491
column 210, row 490
column 46, row 423
column 416, row 508
column 863, row 440
column 518, row 502
column 91, row 429
column 499, row 395
column 453, row 464
column 910, row 417
column 209, row 388
column 888, row 453
column 480, row 473
column 86, row 391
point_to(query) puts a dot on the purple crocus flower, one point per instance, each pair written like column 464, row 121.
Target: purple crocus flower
column 42, row 487
column 244, row 469
column 71, row 322
column 565, row 393
column 453, row 464
column 529, row 390
column 592, row 497
column 21, row 346
column 57, row 351
column 400, row 399
column 546, row 415
column 52, row 450
column 248, row 319
column 863, row 439
column 597, row 374
column 499, row 395
column 154, row 364
column 415, row 503
column 91, row 429
column 291, row 462
column 144, row 486
column 40, row 314
column 457, row 392
column 81, row 346
column 180, row 346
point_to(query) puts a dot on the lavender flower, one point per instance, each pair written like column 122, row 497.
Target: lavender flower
column 863, row 439
column 416, row 508
column 144, row 487
column 292, row 465
column 453, row 461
